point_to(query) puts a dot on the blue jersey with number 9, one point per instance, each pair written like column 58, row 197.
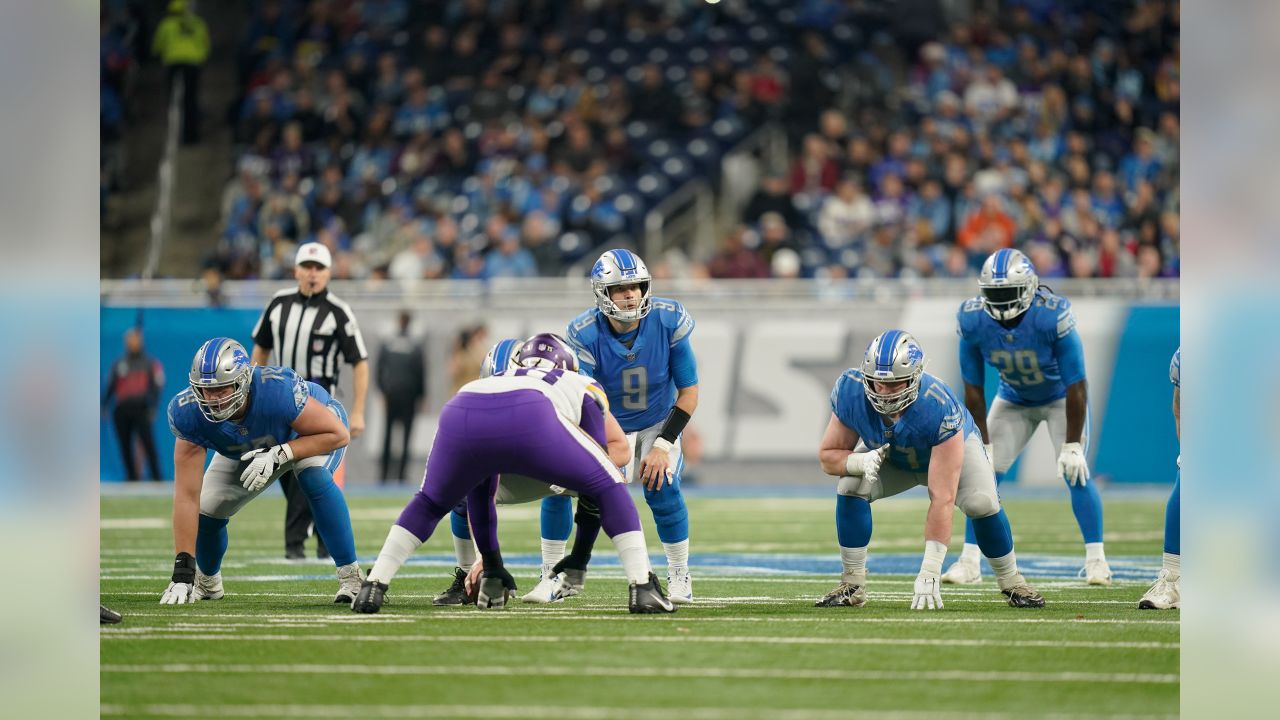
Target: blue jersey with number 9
column 1038, row 358
column 277, row 396
column 931, row 420
column 641, row 380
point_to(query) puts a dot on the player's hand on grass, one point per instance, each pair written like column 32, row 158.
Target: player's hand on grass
column 183, row 581
column 472, row 581
column 928, row 593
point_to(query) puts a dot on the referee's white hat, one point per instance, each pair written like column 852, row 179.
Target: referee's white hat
column 313, row 252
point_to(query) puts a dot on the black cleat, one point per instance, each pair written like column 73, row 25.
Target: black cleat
column 457, row 592
column 371, row 597
column 845, row 595
column 1023, row 595
column 649, row 598
column 108, row 616
column 294, row 552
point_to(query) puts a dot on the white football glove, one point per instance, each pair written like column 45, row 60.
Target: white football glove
column 1072, row 466
column 928, row 593
column 263, row 465
column 866, row 464
column 177, row 594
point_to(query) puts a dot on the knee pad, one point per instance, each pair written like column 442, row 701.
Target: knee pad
column 978, row 504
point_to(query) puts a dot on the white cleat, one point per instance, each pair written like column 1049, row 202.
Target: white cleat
column 963, row 572
column 1164, row 594
column 349, row 580
column 679, row 586
column 1097, row 572
column 550, row 588
column 207, row 587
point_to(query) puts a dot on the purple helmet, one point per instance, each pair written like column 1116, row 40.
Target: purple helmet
column 547, row 351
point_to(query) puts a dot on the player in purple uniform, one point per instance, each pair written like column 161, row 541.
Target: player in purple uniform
column 262, row 422
column 544, row 421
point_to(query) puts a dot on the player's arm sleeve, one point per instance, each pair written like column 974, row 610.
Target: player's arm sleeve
column 176, row 424
column 586, row 360
column 684, row 366
column 951, row 422
column 971, row 364
column 1070, row 354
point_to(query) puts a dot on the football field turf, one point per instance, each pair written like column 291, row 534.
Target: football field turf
column 753, row 645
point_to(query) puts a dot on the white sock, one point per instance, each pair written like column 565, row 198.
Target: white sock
column 1173, row 563
column 1093, row 551
column 1005, row 568
column 552, row 551
column 395, row 552
column 634, row 556
column 465, row 550
column 677, row 555
column 854, row 564
column 971, row 554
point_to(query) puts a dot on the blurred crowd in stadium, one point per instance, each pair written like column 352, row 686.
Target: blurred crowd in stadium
column 473, row 139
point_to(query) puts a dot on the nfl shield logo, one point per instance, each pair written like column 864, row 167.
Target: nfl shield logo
column 631, row 356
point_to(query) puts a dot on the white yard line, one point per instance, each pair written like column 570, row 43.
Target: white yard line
column 492, row 670
column 619, row 614
column 139, row 633
column 561, row 711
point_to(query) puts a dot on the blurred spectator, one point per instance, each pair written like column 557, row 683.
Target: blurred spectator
column 134, row 383
column 181, row 42
column 846, row 215
column 814, row 171
column 773, row 196
column 734, row 260
column 401, row 377
column 987, row 228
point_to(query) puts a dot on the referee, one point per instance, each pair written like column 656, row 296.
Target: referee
column 305, row 329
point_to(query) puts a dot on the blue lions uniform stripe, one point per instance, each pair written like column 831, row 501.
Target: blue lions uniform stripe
column 884, row 359
column 623, row 259
column 1000, row 269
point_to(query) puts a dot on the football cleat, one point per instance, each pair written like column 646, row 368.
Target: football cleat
column 963, row 572
column 1096, row 572
column 680, row 586
column 549, row 588
column 648, row 598
column 349, row 583
column 845, row 595
column 572, row 582
column 107, row 616
column 370, row 598
column 457, row 592
column 1021, row 594
column 1164, row 594
column 207, row 587
column 494, row 593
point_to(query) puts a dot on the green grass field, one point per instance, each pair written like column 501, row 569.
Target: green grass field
column 752, row 647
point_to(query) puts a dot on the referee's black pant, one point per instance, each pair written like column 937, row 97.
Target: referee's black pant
column 297, row 520
column 133, row 419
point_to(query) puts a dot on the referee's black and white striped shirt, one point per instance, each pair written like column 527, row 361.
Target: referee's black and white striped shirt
column 306, row 333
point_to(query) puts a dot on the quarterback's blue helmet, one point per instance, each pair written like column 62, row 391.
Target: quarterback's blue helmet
column 621, row 267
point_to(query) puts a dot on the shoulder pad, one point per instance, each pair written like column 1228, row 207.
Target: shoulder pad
column 1056, row 315
column 583, row 328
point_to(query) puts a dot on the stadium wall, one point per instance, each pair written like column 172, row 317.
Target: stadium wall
column 765, row 370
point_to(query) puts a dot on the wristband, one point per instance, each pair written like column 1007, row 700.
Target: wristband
column 676, row 420
column 934, row 553
column 184, row 569
column 664, row 445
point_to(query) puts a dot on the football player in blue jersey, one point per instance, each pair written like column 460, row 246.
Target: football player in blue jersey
column 1028, row 334
column 893, row 426
column 261, row 422
column 1165, row 593
column 557, row 517
column 637, row 347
